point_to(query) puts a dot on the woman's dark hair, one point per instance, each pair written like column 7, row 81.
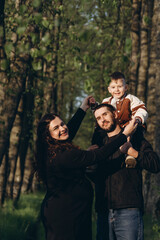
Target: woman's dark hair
column 46, row 146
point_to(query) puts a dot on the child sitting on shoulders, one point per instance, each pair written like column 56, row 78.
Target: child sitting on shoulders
column 128, row 106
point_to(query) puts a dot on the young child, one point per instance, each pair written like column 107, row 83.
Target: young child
column 128, row 106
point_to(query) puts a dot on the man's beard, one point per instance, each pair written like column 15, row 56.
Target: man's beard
column 112, row 127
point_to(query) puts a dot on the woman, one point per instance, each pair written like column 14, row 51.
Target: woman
column 66, row 209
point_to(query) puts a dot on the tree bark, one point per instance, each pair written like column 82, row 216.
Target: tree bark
column 151, row 181
column 154, row 196
column 26, row 132
column 135, row 36
column 142, row 75
column 157, row 96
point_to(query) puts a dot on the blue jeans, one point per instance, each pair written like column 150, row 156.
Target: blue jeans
column 102, row 226
column 126, row 224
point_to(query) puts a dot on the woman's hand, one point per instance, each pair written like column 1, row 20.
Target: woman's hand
column 87, row 103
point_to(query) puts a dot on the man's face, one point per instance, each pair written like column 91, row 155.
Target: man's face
column 106, row 119
column 117, row 88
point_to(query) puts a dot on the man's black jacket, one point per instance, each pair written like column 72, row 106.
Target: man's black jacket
column 122, row 188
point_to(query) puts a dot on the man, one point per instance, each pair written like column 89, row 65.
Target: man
column 120, row 194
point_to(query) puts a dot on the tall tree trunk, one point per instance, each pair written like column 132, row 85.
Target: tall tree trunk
column 28, row 185
column 5, row 178
column 152, row 79
column 55, row 59
column 52, row 67
column 142, row 76
column 135, row 36
column 3, row 63
column 156, row 211
column 102, row 82
column 154, row 196
column 3, row 57
column 151, row 183
column 61, row 90
column 13, row 154
column 27, row 130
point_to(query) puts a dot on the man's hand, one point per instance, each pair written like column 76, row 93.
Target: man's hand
column 124, row 148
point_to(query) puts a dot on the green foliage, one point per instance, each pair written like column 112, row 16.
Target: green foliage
column 89, row 40
column 36, row 3
column 22, row 221
column 37, row 65
column 88, row 86
column 128, row 46
column 46, row 39
column 151, row 228
column 67, row 50
column 45, row 23
column 37, row 17
column 23, row 9
column 156, row 229
column 8, row 47
column 21, row 30
column 35, row 52
column 85, row 132
column 147, row 20
column 4, row 64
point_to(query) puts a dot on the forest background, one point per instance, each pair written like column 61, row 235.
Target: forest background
column 53, row 54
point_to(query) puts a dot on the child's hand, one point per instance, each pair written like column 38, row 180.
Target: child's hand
column 138, row 121
column 130, row 162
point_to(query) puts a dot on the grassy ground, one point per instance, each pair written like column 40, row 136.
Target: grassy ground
column 23, row 222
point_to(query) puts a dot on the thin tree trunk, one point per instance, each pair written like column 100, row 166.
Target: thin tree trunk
column 142, row 76
column 3, row 57
column 55, row 49
column 61, row 90
column 5, row 178
column 26, row 133
column 135, row 36
column 152, row 80
column 102, row 82
column 13, row 154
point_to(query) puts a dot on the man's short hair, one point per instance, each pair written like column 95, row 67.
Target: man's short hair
column 107, row 105
column 117, row 75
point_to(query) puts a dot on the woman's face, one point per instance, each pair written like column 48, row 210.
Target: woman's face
column 58, row 130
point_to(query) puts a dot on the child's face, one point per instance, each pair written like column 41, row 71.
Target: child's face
column 117, row 88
